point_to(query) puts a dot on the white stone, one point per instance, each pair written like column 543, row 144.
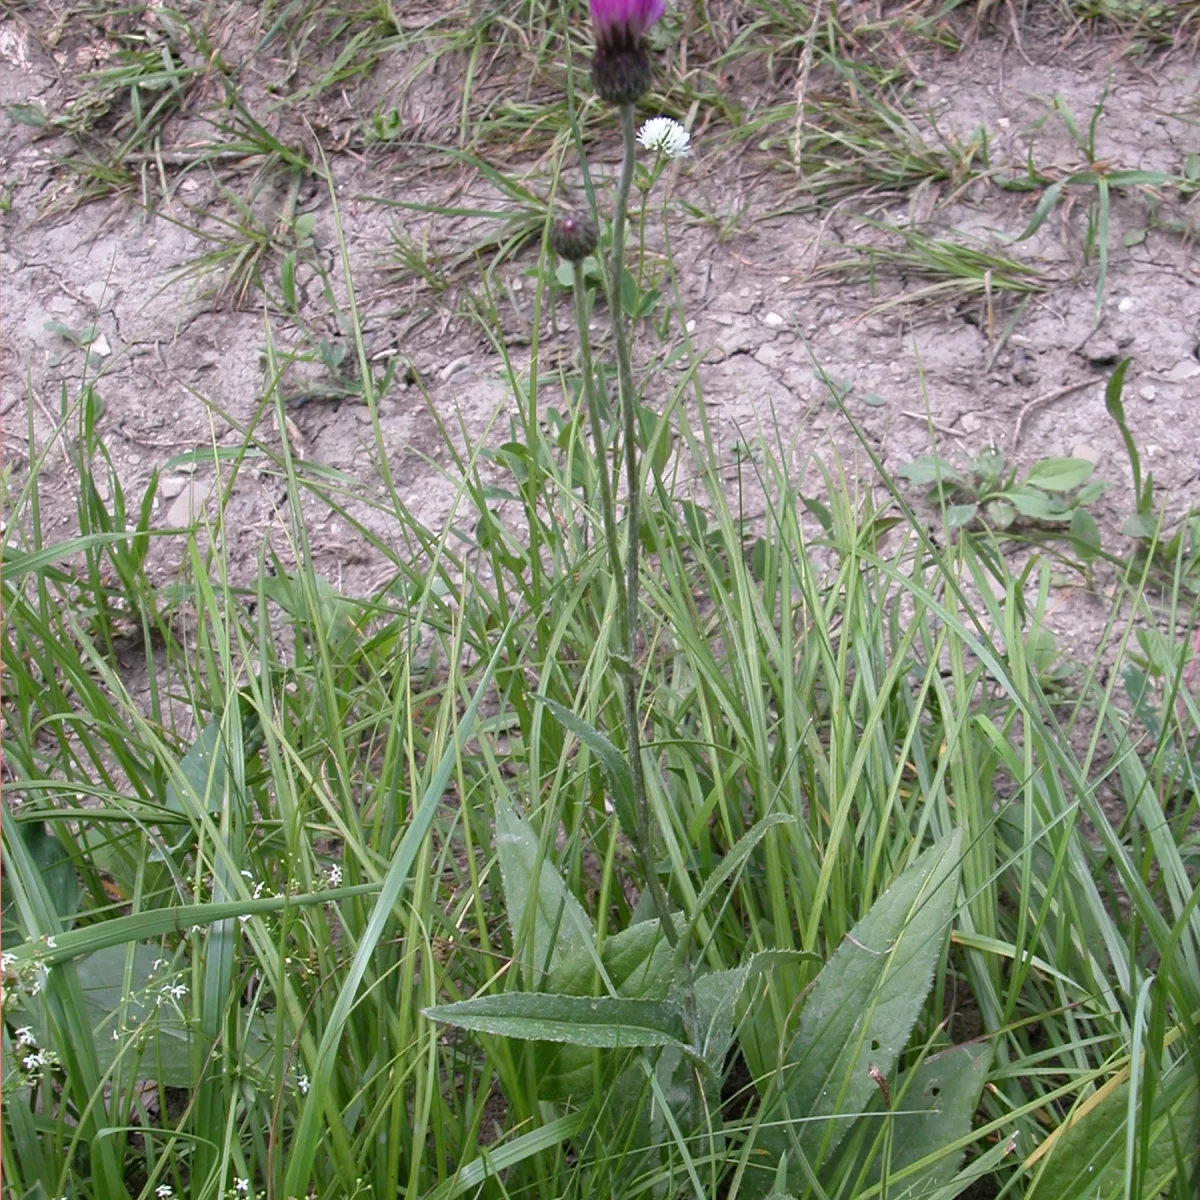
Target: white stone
column 188, row 506
column 772, row 320
column 1125, row 304
column 1148, row 393
column 1182, row 371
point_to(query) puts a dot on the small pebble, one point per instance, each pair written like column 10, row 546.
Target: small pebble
column 1125, row 304
column 453, row 367
column 171, row 485
column 1102, row 351
column 1148, row 393
column 691, row 326
column 1184, row 370
column 188, row 506
column 772, row 320
column 1086, row 452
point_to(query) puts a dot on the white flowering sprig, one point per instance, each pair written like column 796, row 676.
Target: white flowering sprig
column 665, row 136
column 27, row 974
column 35, row 1062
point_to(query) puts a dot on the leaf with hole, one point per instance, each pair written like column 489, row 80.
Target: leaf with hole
column 861, row 1009
column 933, row 1106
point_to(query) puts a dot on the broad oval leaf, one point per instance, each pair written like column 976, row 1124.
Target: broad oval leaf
column 861, row 1010
column 558, row 920
column 597, row 1022
column 1060, row 474
column 1084, row 1159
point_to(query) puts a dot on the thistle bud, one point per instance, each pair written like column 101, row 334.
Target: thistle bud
column 621, row 72
column 573, row 237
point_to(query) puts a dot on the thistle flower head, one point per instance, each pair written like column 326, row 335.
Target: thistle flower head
column 621, row 68
column 662, row 135
column 625, row 18
column 573, row 237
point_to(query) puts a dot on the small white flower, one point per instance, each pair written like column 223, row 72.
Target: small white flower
column 335, row 876
column 303, row 1084
column 8, row 961
column 116, row 1036
column 258, row 888
column 51, row 943
column 242, row 1185
column 36, row 1059
column 247, row 874
column 663, row 135
column 25, row 1036
column 197, row 929
column 164, row 1191
column 245, row 918
column 158, row 962
column 179, row 991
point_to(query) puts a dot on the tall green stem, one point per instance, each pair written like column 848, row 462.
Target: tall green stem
column 606, row 496
column 625, row 371
column 627, row 587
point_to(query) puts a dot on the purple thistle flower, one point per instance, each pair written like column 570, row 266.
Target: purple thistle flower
column 635, row 16
column 621, row 68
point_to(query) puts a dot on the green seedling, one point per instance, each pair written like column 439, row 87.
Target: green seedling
column 988, row 492
column 1098, row 178
column 1142, row 523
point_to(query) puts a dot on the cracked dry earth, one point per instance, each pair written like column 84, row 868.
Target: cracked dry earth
column 778, row 295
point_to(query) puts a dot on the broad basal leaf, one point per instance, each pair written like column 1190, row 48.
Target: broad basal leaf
column 601, row 1022
column 1085, row 1158
column 560, row 924
column 860, row 1013
column 933, row 1106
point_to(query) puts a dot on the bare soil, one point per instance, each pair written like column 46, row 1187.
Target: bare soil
column 179, row 357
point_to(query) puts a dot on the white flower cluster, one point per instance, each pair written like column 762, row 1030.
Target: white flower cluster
column 29, row 974
column 36, row 1060
column 664, row 135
